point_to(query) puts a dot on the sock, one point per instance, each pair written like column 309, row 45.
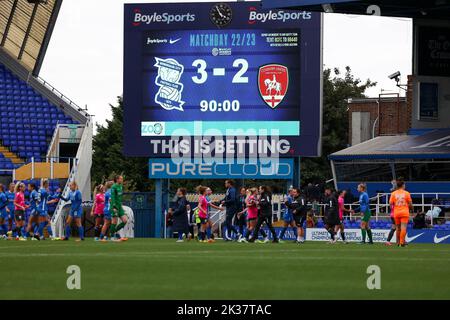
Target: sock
column 120, row 226
column 23, row 231
column 208, row 233
column 41, row 228
column 180, row 235
column 391, row 234
column 3, row 229
column 49, row 230
column 283, row 231
column 112, row 229
column 343, row 235
column 402, row 236
column 263, row 233
column 102, row 235
column 81, row 232
column 67, row 232
column 369, row 233
column 295, row 231
column 247, row 234
column 96, row 231
column 331, row 233
column 363, row 232
column 397, row 232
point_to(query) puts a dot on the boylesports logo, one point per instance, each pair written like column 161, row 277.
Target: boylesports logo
column 165, row 17
column 279, row 15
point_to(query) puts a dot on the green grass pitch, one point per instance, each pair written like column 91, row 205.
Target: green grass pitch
column 163, row 269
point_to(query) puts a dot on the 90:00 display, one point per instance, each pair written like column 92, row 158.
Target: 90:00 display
column 225, row 106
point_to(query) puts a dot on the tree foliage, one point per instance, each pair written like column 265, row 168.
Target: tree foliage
column 337, row 89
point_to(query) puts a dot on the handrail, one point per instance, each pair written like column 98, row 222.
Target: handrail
column 55, row 133
column 57, row 218
column 62, row 96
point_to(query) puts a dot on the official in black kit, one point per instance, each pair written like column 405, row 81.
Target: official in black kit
column 300, row 209
column 331, row 213
column 265, row 213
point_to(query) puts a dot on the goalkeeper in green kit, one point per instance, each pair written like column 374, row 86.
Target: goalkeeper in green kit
column 117, row 209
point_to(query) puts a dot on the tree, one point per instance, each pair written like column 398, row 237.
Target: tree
column 108, row 158
column 337, row 89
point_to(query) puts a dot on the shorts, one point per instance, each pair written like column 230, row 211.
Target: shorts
column 366, row 217
column 101, row 216
column 76, row 214
column 4, row 214
column 299, row 220
column 34, row 213
column 19, row 215
column 43, row 214
column 203, row 220
column 119, row 212
column 401, row 219
column 252, row 219
column 107, row 215
column 288, row 217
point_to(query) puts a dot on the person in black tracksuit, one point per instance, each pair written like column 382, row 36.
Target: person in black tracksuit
column 300, row 209
column 231, row 203
column 331, row 213
column 240, row 218
column 265, row 214
column 180, row 215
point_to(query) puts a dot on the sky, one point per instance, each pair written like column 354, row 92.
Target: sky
column 84, row 59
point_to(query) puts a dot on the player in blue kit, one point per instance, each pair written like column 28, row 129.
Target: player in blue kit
column 10, row 194
column 44, row 196
column 76, row 211
column 106, row 212
column 34, row 212
column 3, row 213
column 288, row 216
column 364, row 209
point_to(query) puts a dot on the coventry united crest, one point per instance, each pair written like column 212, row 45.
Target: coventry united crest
column 273, row 83
column 168, row 81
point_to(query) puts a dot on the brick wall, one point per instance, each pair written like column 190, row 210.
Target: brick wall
column 395, row 116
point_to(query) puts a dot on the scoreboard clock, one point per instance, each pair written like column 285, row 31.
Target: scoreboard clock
column 221, row 14
column 221, row 69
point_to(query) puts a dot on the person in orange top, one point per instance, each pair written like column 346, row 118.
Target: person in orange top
column 402, row 204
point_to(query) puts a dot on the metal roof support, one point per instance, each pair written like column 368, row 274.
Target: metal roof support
column 27, row 33
column 48, row 35
column 8, row 24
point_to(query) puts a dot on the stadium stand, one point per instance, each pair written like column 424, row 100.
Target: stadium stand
column 43, row 133
column 28, row 121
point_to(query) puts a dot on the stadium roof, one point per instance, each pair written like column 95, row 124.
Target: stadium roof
column 424, row 9
column 25, row 30
column 431, row 145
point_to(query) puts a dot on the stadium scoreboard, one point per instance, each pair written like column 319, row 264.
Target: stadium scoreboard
column 222, row 76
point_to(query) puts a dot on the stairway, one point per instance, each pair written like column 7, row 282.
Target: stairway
column 10, row 155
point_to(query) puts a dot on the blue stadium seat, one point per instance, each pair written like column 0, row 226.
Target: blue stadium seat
column 27, row 119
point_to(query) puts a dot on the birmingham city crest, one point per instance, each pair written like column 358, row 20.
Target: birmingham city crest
column 168, row 81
